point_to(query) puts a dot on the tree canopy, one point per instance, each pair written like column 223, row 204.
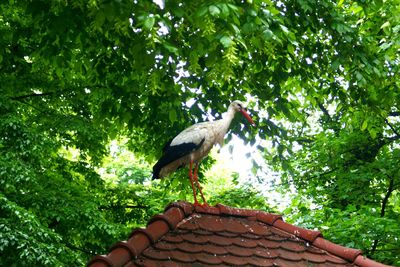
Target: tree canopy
column 320, row 77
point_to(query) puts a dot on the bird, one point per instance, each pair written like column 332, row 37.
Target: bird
column 193, row 144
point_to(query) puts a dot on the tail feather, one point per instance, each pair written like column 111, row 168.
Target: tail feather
column 156, row 171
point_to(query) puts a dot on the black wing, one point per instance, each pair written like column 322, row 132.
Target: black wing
column 172, row 153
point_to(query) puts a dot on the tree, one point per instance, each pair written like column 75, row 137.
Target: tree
column 322, row 76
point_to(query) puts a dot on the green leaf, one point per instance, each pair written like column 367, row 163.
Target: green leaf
column 385, row 46
column 290, row 49
column 172, row 115
column 149, row 23
column 202, row 11
column 372, row 131
column 359, row 76
column 284, row 29
column 386, row 24
column 364, row 125
column 226, row 41
column 214, row 10
column 99, row 20
column 225, row 10
column 335, row 64
column 171, row 48
column 267, row 34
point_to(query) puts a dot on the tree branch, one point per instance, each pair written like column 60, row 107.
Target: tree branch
column 302, row 140
column 383, row 208
column 135, row 207
column 323, row 173
column 34, row 107
column 387, row 195
column 123, row 206
column 391, row 139
column 73, row 247
column 392, row 128
column 30, row 95
column 329, row 120
column 324, row 110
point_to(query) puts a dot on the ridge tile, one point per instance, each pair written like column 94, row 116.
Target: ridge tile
column 349, row 254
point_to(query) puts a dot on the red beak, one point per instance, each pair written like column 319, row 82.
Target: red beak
column 247, row 116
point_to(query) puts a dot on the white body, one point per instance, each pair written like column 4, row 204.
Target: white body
column 213, row 132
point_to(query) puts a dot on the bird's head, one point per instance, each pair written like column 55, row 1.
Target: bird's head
column 239, row 106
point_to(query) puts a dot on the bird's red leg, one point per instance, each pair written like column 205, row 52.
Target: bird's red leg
column 191, row 181
column 198, row 185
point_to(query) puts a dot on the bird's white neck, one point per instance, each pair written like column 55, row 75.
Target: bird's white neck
column 230, row 113
column 227, row 118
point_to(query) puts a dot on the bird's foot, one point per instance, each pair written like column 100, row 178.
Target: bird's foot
column 205, row 205
column 202, row 205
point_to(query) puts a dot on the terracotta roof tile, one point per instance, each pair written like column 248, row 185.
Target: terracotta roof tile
column 268, row 218
column 227, row 234
column 261, row 262
column 214, row 249
column 292, row 245
column 305, row 234
column 318, row 258
column 173, row 238
column 186, row 207
column 258, row 229
column 364, row 261
column 252, row 236
column 269, row 243
column 266, row 253
column 211, row 259
column 185, row 235
column 349, row 254
column 277, row 237
column 244, row 242
column 291, row 256
column 236, row 212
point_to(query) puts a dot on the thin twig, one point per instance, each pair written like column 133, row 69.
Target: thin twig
column 30, row 95
column 392, row 128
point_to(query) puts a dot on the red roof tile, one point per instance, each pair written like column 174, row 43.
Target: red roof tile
column 185, row 235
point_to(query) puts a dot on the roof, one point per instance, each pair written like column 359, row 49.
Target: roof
column 187, row 235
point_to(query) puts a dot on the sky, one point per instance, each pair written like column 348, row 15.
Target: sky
column 237, row 157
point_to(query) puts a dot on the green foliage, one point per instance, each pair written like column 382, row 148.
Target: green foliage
column 361, row 227
column 36, row 243
column 241, row 197
column 74, row 75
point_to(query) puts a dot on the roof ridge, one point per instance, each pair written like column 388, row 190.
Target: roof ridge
column 176, row 213
column 140, row 239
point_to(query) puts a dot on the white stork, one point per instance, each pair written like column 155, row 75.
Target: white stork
column 193, row 144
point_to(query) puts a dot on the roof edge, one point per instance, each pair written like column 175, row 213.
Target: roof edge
column 349, row 254
column 306, row 234
column 186, row 207
column 140, row 239
column 268, row 218
column 226, row 210
column 176, row 212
